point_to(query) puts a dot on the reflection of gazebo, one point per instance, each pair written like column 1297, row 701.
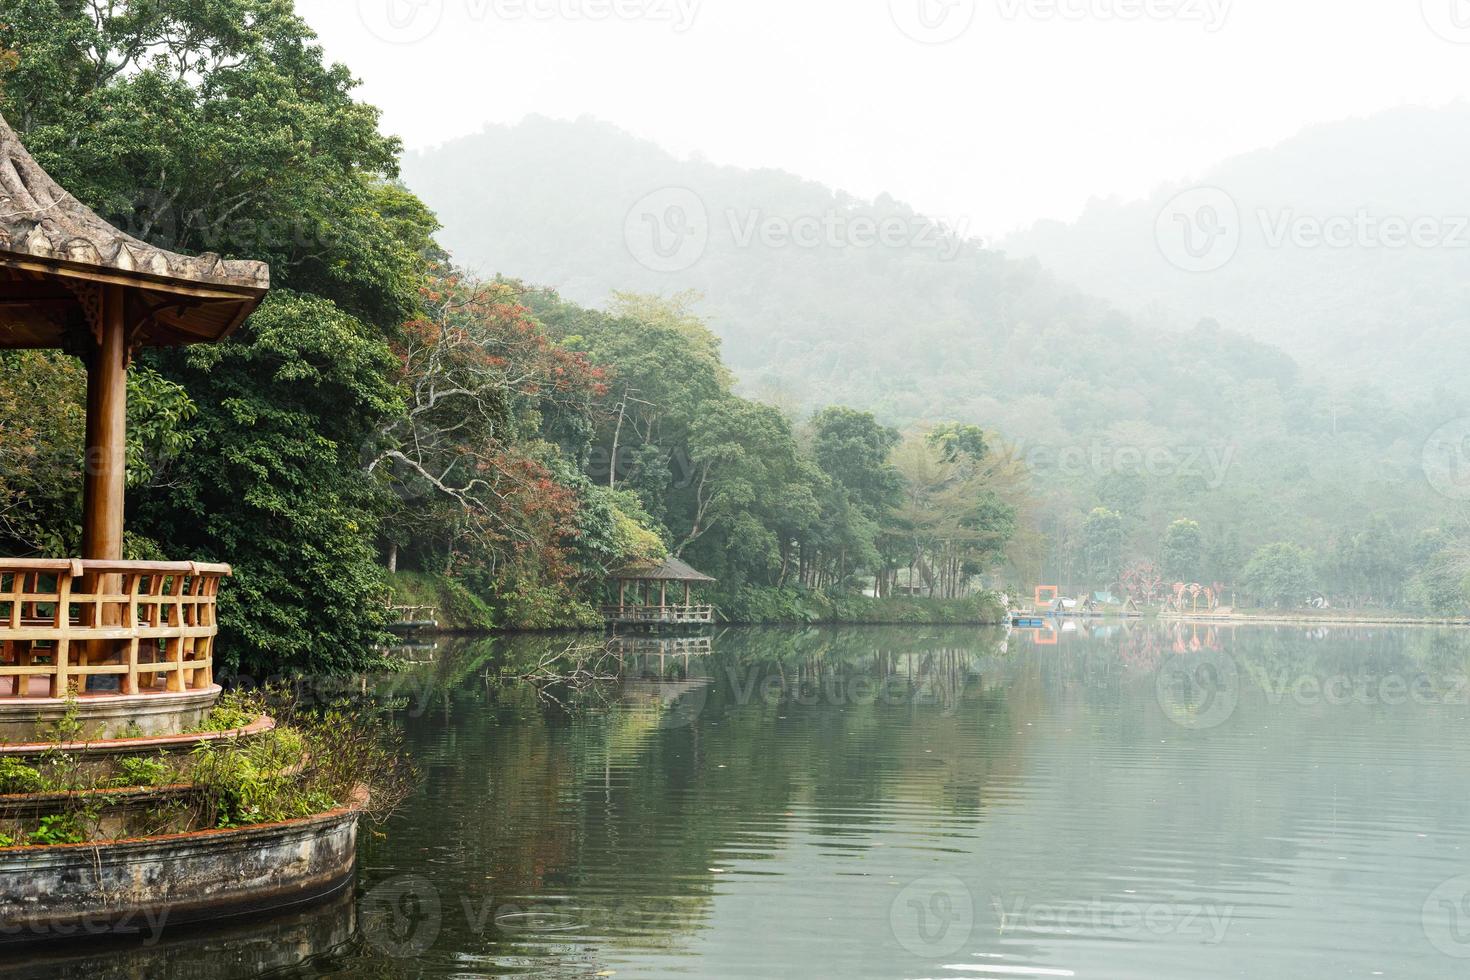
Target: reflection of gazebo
column 69, row 280
column 640, row 586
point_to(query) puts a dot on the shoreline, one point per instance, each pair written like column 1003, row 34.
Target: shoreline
column 1287, row 619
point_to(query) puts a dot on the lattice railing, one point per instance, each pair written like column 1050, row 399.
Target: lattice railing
column 152, row 625
column 659, row 614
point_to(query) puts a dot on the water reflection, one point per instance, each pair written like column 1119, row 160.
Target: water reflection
column 251, row 947
column 1116, row 800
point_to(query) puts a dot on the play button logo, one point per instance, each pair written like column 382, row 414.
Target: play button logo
column 401, row 21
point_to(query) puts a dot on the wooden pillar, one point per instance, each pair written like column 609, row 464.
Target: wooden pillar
column 105, row 473
column 105, row 478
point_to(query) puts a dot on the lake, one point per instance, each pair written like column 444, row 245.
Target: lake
column 900, row 803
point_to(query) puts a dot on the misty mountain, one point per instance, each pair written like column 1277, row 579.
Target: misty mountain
column 1347, row 245
column 823, row 298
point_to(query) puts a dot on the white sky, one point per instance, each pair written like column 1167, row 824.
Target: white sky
column 1036, row 107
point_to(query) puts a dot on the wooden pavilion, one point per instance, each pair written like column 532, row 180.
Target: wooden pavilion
column 71, row 281
column 643, row 596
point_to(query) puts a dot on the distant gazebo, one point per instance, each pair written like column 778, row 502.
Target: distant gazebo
column 643, row 596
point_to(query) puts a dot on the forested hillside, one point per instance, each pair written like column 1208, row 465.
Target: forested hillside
column 1151, row 418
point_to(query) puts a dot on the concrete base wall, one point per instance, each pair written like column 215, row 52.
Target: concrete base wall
column 152, row 886
column 107, row 716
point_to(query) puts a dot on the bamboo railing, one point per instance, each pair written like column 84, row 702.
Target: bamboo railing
column 150, row 624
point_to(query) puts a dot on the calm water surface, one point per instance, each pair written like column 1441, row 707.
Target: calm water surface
column 1123, row 802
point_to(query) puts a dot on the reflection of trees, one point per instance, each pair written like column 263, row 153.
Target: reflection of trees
column 776, row 737
column 628, row 809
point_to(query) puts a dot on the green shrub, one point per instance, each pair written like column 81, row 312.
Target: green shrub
column 17, row 777
column 139, row 771
column 60, row 828
column 233, row 711
column 255, row 781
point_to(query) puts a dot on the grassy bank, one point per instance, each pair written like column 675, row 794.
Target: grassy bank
column 458, row 609
column 461, row 611
column 761, row 606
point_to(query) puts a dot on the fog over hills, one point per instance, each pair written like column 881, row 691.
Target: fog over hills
column 1348, row 245
column 821, row 298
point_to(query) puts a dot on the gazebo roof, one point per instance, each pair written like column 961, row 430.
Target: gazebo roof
column 56, row 255
column 672, row 570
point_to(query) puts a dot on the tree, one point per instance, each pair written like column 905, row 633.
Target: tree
column 481, row 381
column 853, row 449
column 219, row 127
column 281, row 494
column 1182, row 551
column 1102, row 544
column 1280, row 574
column 959, row 511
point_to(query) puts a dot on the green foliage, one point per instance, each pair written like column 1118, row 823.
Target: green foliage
column 255, row 781
column 765, row 605
column 143, row 771
column 280, row 494
column 1144, row 416
column 159, row 411
column 1440, row 588
column 1280, row 574
column 233, row 711
column 41, row 443
column 459, row 608
column 17, row 778
column 1102, row 543
column 219, row 127
column 1182, row 552
column 60, row 828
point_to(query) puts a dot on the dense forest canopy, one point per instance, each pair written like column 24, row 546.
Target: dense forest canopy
column 499, row 413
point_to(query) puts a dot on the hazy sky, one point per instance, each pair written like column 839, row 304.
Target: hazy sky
column 988, row 114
